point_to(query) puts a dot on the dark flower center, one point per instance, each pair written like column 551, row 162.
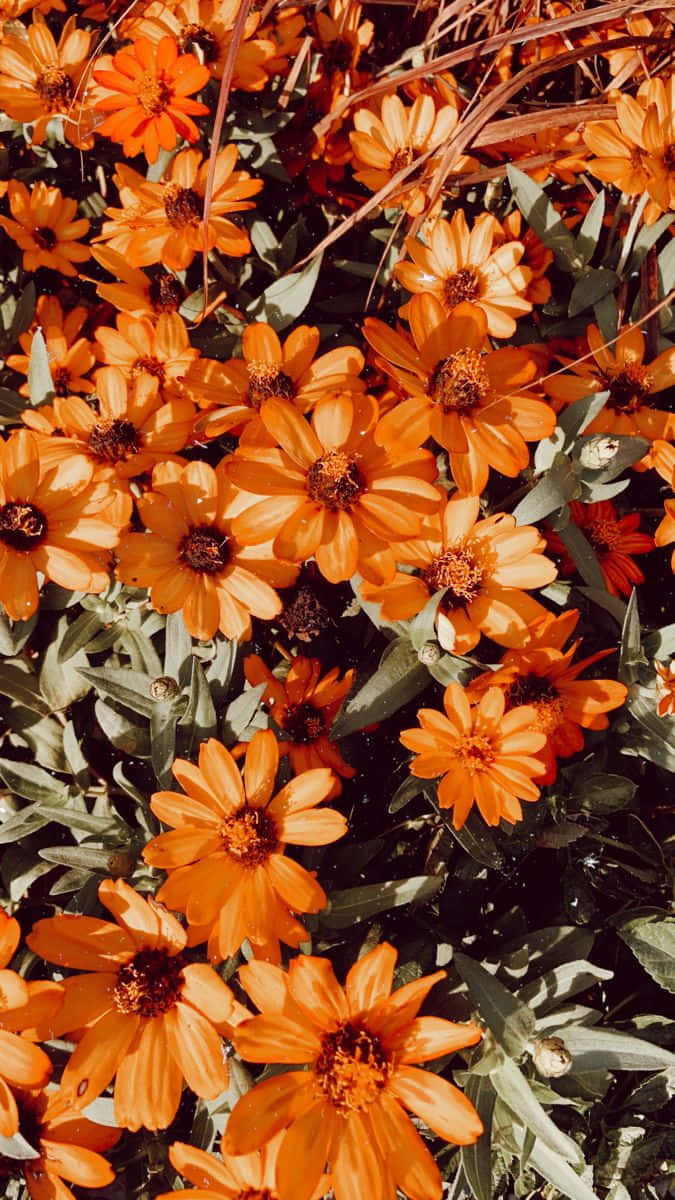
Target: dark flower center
column 22, row 526
column 149, row 365
column 605, row 536
column 669, row 157
column 150, row 984
column 628, row 388
column 304, row 723
column 337, row 55
column 352, row 1068
column 530, row 689
column 465, row 285
column 249, row 836
column 304, row 617
column 154, row 93
column 460, row 572
column 114, row 441
column 335, row 480
column 266, row 381
column 61, row 380
column 401, row 159
column 166, row 293
column 197, row 35
column 44, row 237
column 183, row 206
column 205, row 549
column 55, row 88
column 460, row 382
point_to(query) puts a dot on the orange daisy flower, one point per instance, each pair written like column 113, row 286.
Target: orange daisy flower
column 225, row 853
column 133, row 291
column 69, row 1148
column 39, row 79
column 461, row 264
column 205, row 28
column 665, row 684
column 353, row 1051
column 483, row 566
column 269, row 370
column 304, row 706
column 150, row 1019
column 472, row 403
column 22, row 1065
column 52, row 520
column 485, row 755
column 70, row 357
column 541, row 674
column 160, row 350
column 630, row 381
column 234, row 1177
column 614, row 540
column 43, row 227
column 330, row 491
column 163, row 222
column 537, row 257
column 192, row 559
column 146, row 90
column 635, row 152
column 341, row 39
column 664, row 534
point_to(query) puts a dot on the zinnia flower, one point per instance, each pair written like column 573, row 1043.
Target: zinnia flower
column 665, row 685
column 70, row 357
column 39, row 79
column 460, row 264
column 22, row 1065
column 352, row 1051
column 161, row 350
column 193, row 561
column 163, row 222
column 614, row 539
column 52, row 520
column 150, row 1018
column 473, row 404
column 662, row 457
column 330, row 491
column 304, row 706
column 486, row 756
column 43, row 227
column 542, row 674
column 205, row 27
column 146, row 91
column 537, row 257
column 233, row 1177
column 225, row 853
column 483, row 567
column 133, row 291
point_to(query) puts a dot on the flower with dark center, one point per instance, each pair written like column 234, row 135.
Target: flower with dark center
column 629, row 387
column 153, row 93
column 44, row 237
column 267, row 380
column 196, row 35
column 402, row 158
column 249, row 836
column 304, row 723
column 166, row 293
column 149, row 365
column 351, row 1069
column 337, row 55
column 205, row 549
column 150, row 984
column 464, row 285
column 460, row 571
column 61, row 378
column 183, row 206
column 114, row 441
column 604, row 535
column 335, row 480
column 459, row 382
column 22, row 526
column 55, row 88
column 544, row 697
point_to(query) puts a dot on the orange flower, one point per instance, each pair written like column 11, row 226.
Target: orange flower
column 665, row 684
column 482, row 566
column 52, row 520
column 205, row 27
column 159, row 350
column 192, row 560
column 70, row 357
column 635, row 152
column 304, row 707
column 341, row 39
column 537, row 257
column 22, row 1065
column 133, row 291
column 614, row 540
column 233, row 1177
column 43, row 227
column 458, row 264
column 39, row 79
column 269, row 370
column 665, row 531
column 163, row 222
column 629, row 380
column 354, row 1047
column 330, row 491
column 149, row 1017
column 68, row 1148
column 146, row 92
column 486, row 756
column 471, row 403
column 542, row 674
column 225, row 852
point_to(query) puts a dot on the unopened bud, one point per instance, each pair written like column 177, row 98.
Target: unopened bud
column 164, row 688
column 551, row 1057
column 598, row 452
column 429, row 653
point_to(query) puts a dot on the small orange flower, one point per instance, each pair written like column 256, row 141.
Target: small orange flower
column 330, row 491
column 204, row 27
column 192, row 560
column 473, row 404
column 68, row 1148
column 149, row 1017
column 70, row 357
column 541, row 674
column 163, row 222
column 159, row 350
column 537, row 257
column 344, row 1102
column 486, row 756
column 614, row 540
column 22, row 1065
column 304, row 707
column 52, row 520
column 483, row 566
column 133, row 291
column 43, row 227
column 225, row 852
column 460, row 264
column 39, row 79
column 664, row 534
column 233, row 1177
column 146, row 90
column 665, row 685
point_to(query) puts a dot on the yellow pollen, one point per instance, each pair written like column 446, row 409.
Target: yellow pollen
column 265, row 381
column 460, row 382
column 183, row 206
column 154, row 93
column 628, row 387
column 352, row 1069
column 335, row 480
column 249, row 836
column 605, row 536
column 54, row 88
column 476, row 753
column 465, row 285
column 460, row 571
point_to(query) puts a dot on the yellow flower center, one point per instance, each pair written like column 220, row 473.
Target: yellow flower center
column 460, row 382
column 22, row 526
column 628, row 387
column 465, row 285
column 352, row 1068
column 154, row 93
column 150, row 984
column 460, row 571
column 335, row 480
column 249, row 836
column 544, row 698
column 476, row 753
column 304, row 723
column 605, row 536
column 114, row 441
column 183, row 206
column 55, row 88
column 266, row 381
column 205, row 549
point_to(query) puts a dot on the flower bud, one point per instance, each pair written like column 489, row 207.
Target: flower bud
column 551, row 1057
column 164, row 688
column 429, row 653
column 598, row 452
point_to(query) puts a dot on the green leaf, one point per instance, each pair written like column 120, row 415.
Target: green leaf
column 399, row 678
column 405, row 792
column 126, row 687
column 220, row 670
column 72, row 749
column 78, row 635
column 348, row 907
column 559, row 1173
column 605, row 793
column 78, row 818
column 21, row 824
column 12, row 405
column 647, row 237
column 544, row 220
column 61, row 684
column 657, row 742
column 661, row 642
column 631, row 655
column 475, row 839
column 177, row 649
column 199, row 717
column 264, row 241
column 423, row 626
column 589, row 234
column 23, row 314
column 22, row 687
column 583, row 555
column 566, row 980
column 604, row 456
column 578, row 416
column 552, row 491
column 511, row 1022
column 652, row 941
column 31, row 782
column 89, row 858
column 591, row 287
column 240, row 713
column 514, row 1090
column 40, row 382
column 163, row 740
column 287, row 298
column 125, row 734
column 17, row 1147
column 477, row 1159
column 594, row 1049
